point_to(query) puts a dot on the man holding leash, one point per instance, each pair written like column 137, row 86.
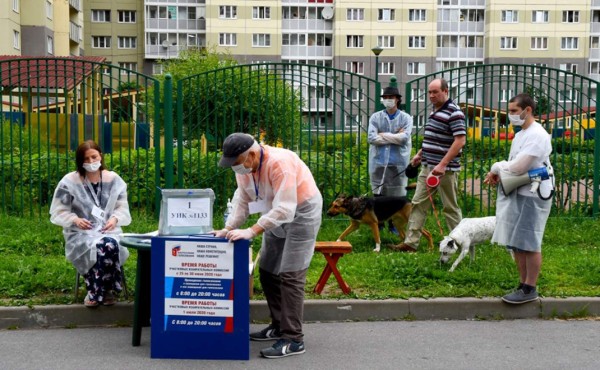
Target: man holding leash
column 522, row 214
column 276, row 183
column 443, row 139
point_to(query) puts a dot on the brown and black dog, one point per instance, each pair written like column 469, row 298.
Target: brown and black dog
column 372, row 211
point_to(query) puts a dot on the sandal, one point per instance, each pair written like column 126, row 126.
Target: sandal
column 109, row 299
column 90, row 303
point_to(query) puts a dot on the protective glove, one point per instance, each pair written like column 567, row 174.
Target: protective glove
column 219, row 233
column 238, row 234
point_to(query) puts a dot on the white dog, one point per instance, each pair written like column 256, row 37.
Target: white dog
column 468, row 233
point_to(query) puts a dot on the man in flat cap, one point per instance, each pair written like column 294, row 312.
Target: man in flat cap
column 276, row 183
column 389, row 135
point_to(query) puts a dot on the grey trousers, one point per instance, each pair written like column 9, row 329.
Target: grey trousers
column 285, row 298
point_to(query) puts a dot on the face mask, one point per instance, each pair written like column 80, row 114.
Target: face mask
column 92, row 167
column 389, row 103
column 240, row 169
column 516, row 120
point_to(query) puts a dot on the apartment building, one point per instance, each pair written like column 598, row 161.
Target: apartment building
column 41, row 27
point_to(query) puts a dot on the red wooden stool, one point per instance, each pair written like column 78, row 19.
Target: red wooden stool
column 332, row 252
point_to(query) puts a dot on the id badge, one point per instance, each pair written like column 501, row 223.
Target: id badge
column 98, row 212
column 257, row 207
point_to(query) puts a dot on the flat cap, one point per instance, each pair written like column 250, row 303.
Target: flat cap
column 391, row 90
column 234, row 145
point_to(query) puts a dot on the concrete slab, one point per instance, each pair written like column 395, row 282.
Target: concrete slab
column 470, row 309
column 570, row 307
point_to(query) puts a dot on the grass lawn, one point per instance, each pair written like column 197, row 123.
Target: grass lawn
column 33, row 269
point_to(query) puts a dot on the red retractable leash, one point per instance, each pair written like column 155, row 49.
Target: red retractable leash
column 433, row 182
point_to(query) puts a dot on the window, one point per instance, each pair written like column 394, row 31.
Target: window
column 126, row 16
column 569, row 67
column 293, row 39
column 157, row 68
column 386, row 42
column 354, row 41
column 352, row 121
column 539, row 16
column 100, row 16
column 355, row 67
column 510, row 16
column 49, row 10
column 15, row 5
column 417, row 15
column 354, row 94
column 355, row 14
column 261, row 40
column 127, row 42
column 418, row 95
column 127, row 67
column 567, row 96
column 539, row 43
column 387, row 68
column 386, row 15
column 227, row 39
column 594, row 42
column 594, row 67
column 539, row 69
column 16, row 40
column 100, row 42
column 261, row 12
column 49, row 44
column 415, row 68
column 505, row 95
column 508, row 43
column 569, row 43
column 507, row 70
column 416, row 42
column 228, row 11
column 570, row 16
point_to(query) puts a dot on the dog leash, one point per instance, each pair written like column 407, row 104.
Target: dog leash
column 435, row 212
column 382, row 183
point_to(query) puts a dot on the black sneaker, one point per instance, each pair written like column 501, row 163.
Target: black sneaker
column 283, row 348
column 268, row 333
column 520, row 297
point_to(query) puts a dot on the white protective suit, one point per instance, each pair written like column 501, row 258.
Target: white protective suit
column 293, row 206
column 389, row 152
column 72, row 199
column 521, row 216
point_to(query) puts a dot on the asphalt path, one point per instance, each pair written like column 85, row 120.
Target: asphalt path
column 505, row 344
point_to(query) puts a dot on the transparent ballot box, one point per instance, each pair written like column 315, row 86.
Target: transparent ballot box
column 186, row 211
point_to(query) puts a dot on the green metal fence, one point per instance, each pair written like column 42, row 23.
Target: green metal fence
column 169, row 134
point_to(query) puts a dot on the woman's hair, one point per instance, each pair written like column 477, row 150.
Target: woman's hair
column 80, row 155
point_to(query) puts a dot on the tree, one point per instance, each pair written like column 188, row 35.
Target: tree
column 542, row 105
column 220, row 97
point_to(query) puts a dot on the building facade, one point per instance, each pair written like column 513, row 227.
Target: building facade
column 41, row 27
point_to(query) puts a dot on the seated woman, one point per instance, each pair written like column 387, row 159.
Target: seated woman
column 91, row 206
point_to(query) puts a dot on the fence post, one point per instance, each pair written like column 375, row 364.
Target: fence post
column 168, row 120
column 596, row 177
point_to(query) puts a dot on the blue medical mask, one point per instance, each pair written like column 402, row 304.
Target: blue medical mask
column 240, row 169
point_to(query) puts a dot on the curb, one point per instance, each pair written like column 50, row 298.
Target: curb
column 121, row 314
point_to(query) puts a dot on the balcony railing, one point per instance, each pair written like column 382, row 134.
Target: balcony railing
column 595, row 27
column 318, row 105
column 595, row 53
column 297, row 51
column 75, row 4
column 594, row 76
column 306, row 25
column 175, row 24
column 462, row 27
column 460, row 53
column 170, row 52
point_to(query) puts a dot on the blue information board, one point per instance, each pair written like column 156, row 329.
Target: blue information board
column 200, row 298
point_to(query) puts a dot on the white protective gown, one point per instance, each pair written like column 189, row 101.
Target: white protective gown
column 293, row 205
column 521, row 216
column 389, row 152
column 72, row 199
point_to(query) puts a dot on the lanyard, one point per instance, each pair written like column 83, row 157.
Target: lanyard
column 257, row 182
column 96, row 196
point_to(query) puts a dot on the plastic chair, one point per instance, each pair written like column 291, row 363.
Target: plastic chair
column 77, row 276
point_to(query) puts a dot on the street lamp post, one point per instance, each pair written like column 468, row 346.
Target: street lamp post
column 377, row 50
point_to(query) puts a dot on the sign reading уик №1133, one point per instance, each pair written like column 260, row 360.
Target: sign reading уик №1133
column 198, row 286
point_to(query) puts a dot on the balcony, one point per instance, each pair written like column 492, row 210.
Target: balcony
column 461, row 27
column 308, row 77
column 595, row 27
column 75, row 32
column 302, row 51
column 175, row 24
column 594, row 76
column 306, row 25
column 75, row 4
column 460, row 53
column 595, row 3
column 318, row 105
column 170, row 52
column 594, row 53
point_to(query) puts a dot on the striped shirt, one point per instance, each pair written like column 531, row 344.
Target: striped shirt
column 442, row 126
